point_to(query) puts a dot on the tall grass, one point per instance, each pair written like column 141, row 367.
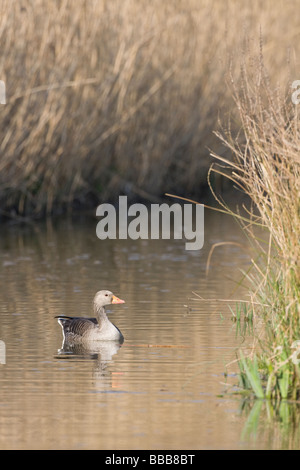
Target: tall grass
column 266, row 166
column 105, row 97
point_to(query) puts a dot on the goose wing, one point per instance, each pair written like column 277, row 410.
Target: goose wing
column 77, row 326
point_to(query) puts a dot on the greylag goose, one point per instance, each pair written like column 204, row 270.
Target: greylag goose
column 92, row 329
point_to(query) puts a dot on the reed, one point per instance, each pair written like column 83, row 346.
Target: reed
column 265, row 165
column 120, row 97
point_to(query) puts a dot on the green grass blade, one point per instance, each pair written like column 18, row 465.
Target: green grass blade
column 252, row 374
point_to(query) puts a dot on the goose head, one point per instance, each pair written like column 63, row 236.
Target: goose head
column 105, row 297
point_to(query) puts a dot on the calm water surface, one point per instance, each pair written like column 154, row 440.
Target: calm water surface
column 165, row 387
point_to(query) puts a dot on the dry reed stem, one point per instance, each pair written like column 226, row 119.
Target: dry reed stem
column 128, row 87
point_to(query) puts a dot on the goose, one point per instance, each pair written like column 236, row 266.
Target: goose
column 78, row 329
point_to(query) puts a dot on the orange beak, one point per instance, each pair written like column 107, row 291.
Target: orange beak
column 116, row 300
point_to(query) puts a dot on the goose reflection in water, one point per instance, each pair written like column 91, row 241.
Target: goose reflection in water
column 101, row 350
column 101, row 353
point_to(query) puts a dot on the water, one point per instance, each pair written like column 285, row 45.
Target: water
column 165, row 387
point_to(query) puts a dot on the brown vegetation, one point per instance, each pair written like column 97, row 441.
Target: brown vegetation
column 123, row 96
column 265, row 165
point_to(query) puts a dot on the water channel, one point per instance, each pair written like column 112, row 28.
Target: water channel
column 171, row 385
